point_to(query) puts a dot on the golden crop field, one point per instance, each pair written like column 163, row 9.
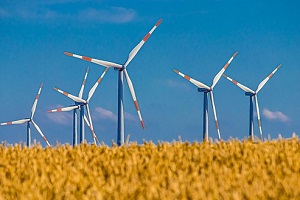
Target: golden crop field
column 178, row 170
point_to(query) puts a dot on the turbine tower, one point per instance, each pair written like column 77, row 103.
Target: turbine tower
column 253, row 98
column 122, row 68
column 30, row 120
column 206, row 89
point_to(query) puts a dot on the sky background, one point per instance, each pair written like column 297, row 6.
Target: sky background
column 195, row 37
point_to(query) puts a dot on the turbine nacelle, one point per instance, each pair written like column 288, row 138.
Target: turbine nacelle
column 80, row 103
column 204, row 90
column 119, row 69
column 250, row 94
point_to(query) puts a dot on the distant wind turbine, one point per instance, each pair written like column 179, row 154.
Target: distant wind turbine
column 122, row 71
column 253, row 97
column 74, row 107
column 30, row 120
column 206, row 89
column 80, row 104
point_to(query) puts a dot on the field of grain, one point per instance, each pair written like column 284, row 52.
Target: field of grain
column 178, row 170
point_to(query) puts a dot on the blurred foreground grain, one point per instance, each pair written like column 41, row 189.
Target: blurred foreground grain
column 177, row 170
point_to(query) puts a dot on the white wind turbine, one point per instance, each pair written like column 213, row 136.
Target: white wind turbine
column 30, row 120
column 75, row 108
column 122, row 71
column 253, row 97
column 206, row 89
column 80, row 104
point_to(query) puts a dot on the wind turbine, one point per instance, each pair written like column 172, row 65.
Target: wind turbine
column 80, row 104
column 75, row 108
column 206, row 89
column 122, row 71
column 30, row 120
column 253, row 97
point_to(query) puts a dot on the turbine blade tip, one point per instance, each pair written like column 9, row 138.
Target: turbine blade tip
column 158, row 23
column 143, row 125
column 279, row 66
column 68, row 54
column 176, row 71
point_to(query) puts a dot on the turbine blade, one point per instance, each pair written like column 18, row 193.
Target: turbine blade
column 129, row 83
column 93, row 89
column 195, row 82
column 86, row 120
column 215, row 113
column 40, row 132
column 83, row 83
column 92, row 131
column 261, row 85
column 258, row 118
column 139, row 46
column 21, row 121
column 246, row 89
column 65, row 109
column 218, row 76
column 91, row 123
column 74, row 98
column 96, row 61
column 36, row 101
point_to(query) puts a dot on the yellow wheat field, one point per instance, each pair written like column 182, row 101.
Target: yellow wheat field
column 177, row 170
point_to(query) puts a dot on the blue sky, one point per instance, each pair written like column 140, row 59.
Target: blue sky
column 195, row 37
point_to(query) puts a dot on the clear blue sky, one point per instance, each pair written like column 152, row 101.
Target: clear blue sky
column 195, row 37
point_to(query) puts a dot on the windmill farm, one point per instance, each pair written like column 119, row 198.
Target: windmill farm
column 149, row 100
column 82, row 114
